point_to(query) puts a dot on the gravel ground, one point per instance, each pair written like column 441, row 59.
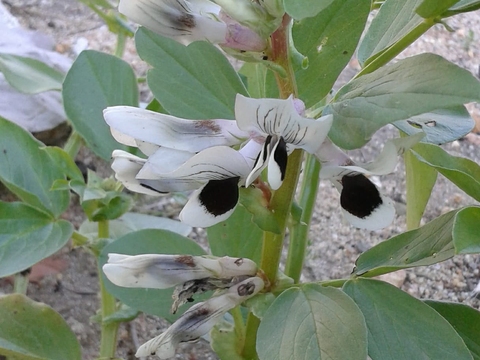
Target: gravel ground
column 334, row 245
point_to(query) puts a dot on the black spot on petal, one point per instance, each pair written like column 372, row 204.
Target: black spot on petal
column 220, row 196
column 360, row 197
column 280, row 156
column 150, row 184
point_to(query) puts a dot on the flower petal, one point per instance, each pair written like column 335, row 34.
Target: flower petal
column 170, row 131
column 215, row 163
column 363, row 205
column 211, row 204
column 280, row 117
column 277, row 164
column 335, row 163
column 177, row 19
column 126, row 167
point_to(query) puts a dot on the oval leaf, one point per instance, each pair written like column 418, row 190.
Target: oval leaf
column 193, row 82
column 466, row 236
column 432, row 8
column 401, row 327
column 463, row 172
column 312, row 322
column 29, row 172
column 34, row 331
column 464, row 319
column 440, row 126
column 329, row 41
column 412, row 86
column 29, row 76
column 430, row 244
column 28, row 236
column 152, row 301
column 94, row 82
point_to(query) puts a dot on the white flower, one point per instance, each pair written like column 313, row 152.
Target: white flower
column 196, row 155
column 200, row 319
column 158, row 271
column 182, row 20
column 190, row 20
column 278, row 122
column 362, row 203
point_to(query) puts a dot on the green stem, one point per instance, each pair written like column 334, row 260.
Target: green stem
column 239, row 328
column 20, row 283
column 391, row 52
column 120, row 48
column 108, row 341
column 73, row 144
column 282, row 199
column 299, row 233
column 79, row 239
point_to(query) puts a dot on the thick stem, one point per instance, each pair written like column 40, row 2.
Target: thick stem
column 281, row 201
column 239, row 328
column 299, row 233
column 108, row 342
column 20, row 283
column 120, row 48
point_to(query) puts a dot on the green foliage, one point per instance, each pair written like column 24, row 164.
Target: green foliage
column 94, row 82
column 328, row 40
column 465, row 321
column 301, row 322
column 20, row 155
column 33, row 331
column 309, row 8
column 28, row 75
column 395, row 92
column 402, row 327
column 28, row 235
column 193, row 82
column 233, row 238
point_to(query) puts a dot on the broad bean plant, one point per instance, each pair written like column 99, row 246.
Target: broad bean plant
column 248, row 145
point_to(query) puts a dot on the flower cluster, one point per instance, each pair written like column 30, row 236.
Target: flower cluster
column 198, row 155
column 233, row 278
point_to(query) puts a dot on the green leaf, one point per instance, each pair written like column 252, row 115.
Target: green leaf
column 260, row 81
column 463, row 172
column 464, row 319
column 130, row 222
column 431, row 8
column 64, row 162
column 312, row 322
column 412, row 86
column 238, row 236
column 430, row 244
column 329, row 41
column 94, row 82
column 124, row 314
column 402, row 327
column 420, row 179
column 466, row 236
column 224, row 341
column 153, row 241
column 465, row 6
column 34, row 331
column 29, row 172
column 440, row 126
column 29, row 76
column 193, row 82
column 306, row 8
column 394, row 20
column 28, row 236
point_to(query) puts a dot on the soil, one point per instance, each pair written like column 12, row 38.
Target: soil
column 334, row 245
